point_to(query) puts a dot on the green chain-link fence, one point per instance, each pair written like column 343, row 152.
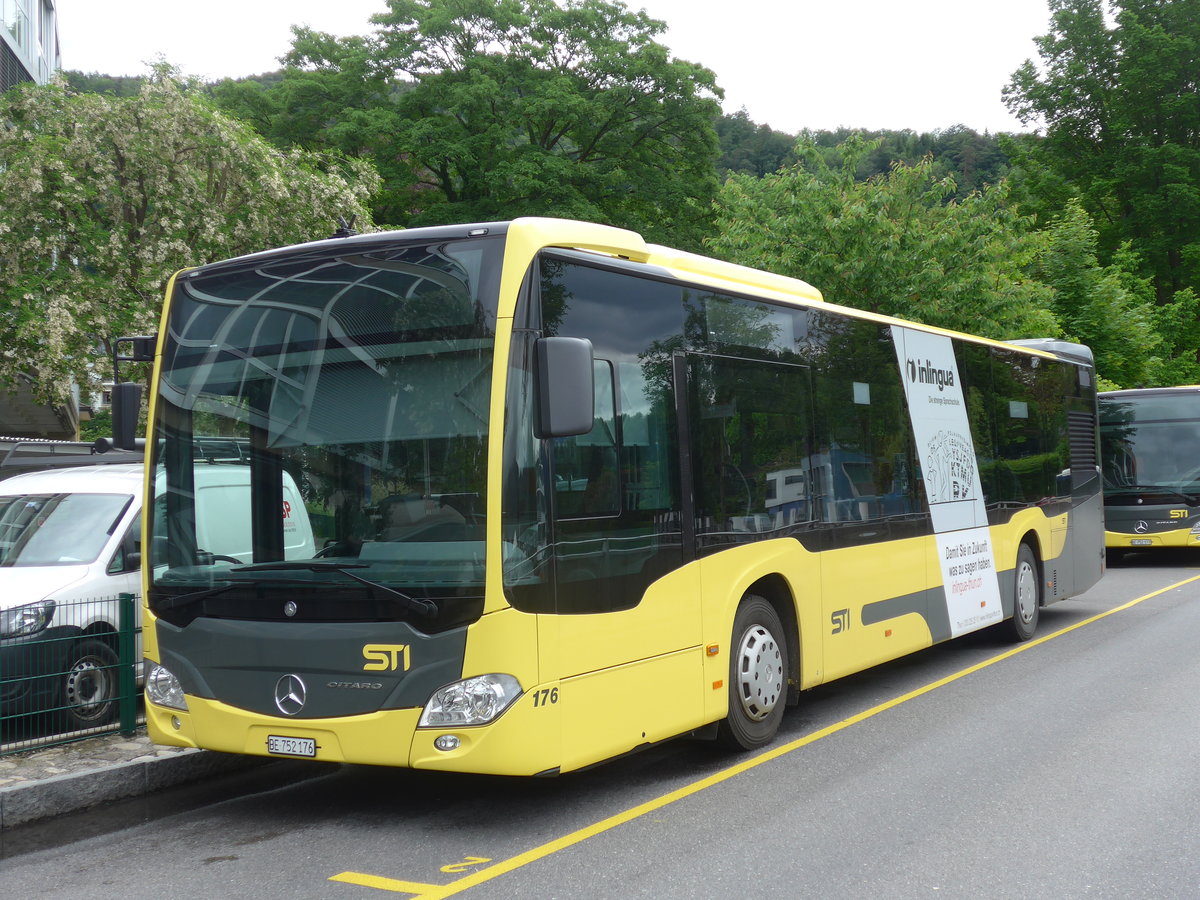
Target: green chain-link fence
column 68, row 671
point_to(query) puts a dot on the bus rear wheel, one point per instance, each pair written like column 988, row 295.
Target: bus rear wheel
column 1027, row 595
column 758, row 667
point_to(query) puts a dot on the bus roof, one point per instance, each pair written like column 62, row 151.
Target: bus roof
column 527, row 235
column 1151, row 392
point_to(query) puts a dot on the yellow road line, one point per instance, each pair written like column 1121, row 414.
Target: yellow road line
column 437, row 892
column 395, row 885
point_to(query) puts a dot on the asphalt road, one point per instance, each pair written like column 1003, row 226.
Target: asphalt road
column 1060, row 768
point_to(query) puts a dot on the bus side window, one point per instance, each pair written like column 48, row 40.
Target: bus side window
column 866, row 459
column 749, row 434
column 1031, row 421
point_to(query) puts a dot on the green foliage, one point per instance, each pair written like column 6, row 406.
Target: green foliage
column 103, row 197
column 502, row 109
column 531, row 107
column 897, row 244
column 490, row 109
column 973, row 160
column 95, row 83
column 752, row 149
column 1178, row 323
column 1109, row 308
column 1038, row 189
column 98, row 426
column 1122, row 125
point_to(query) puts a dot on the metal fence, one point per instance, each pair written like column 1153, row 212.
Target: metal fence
column 68, row 671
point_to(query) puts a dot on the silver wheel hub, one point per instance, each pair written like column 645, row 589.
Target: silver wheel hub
column 1026, row 592
column 759, row 672
column 87, row 685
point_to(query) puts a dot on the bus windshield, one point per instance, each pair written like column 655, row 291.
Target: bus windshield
column 1141, row 439
column 322, row 420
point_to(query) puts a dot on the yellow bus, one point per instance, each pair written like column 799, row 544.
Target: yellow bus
column 1151, row 479
column 572, row 494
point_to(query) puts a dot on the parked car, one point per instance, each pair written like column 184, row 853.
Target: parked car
column 70, row 544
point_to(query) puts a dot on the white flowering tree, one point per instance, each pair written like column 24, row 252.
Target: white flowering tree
column 102, row 198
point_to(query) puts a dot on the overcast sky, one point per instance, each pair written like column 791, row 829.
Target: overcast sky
column 793, row 64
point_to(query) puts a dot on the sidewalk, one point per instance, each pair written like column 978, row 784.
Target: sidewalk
column 42, row 784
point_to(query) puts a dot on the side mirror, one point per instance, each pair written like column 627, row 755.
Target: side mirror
column 141, row 348
column 565, row 385
column 126, row 403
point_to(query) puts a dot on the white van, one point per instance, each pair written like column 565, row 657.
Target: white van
column 69, row 546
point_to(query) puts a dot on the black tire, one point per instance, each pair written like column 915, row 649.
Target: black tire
column 758, row 672
column 1027, row 595
column 89, row 686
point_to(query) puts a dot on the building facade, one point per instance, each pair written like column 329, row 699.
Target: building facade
column 28, row 42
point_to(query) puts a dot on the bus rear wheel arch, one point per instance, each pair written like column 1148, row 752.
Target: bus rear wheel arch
column 758, row 676
column 1027, row 594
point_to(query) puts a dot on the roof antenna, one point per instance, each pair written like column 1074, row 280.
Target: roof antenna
column 345, row 229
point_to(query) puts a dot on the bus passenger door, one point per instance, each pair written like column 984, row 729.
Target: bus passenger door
column 754, row 509
column 627, row 617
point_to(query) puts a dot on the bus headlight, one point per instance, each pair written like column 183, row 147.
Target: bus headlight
column 472, row 701
column 31, row 618
column 1196, row 528
column 163, row 688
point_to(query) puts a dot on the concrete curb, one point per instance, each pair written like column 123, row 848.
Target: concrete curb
column 22, row 804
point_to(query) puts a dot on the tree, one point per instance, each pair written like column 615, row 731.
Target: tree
column 95, row 83
column 750, row 148
column 335, row 96
column 528, row 107
column 897, row 244
column 102, row 197
column 1121, row 113
column 1109, row 308
column 1178, row 327
column 973, row 160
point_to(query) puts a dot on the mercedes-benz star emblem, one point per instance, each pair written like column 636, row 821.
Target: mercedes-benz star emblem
column 289, row 694
column 1141, row 527
column 289, row 608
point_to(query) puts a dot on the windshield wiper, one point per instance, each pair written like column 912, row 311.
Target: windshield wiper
column 297, row 565
column 423, row 608
column 193, row 596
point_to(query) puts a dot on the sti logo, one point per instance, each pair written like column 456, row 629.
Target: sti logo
column 385, row 657
column 1179, row 514
column 840, row 620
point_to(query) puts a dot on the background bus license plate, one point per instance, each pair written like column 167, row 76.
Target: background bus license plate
column 291, row 746
column 1140, row 542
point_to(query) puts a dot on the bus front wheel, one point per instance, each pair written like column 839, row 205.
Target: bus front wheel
column 1027, row 595
column 758, row 667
